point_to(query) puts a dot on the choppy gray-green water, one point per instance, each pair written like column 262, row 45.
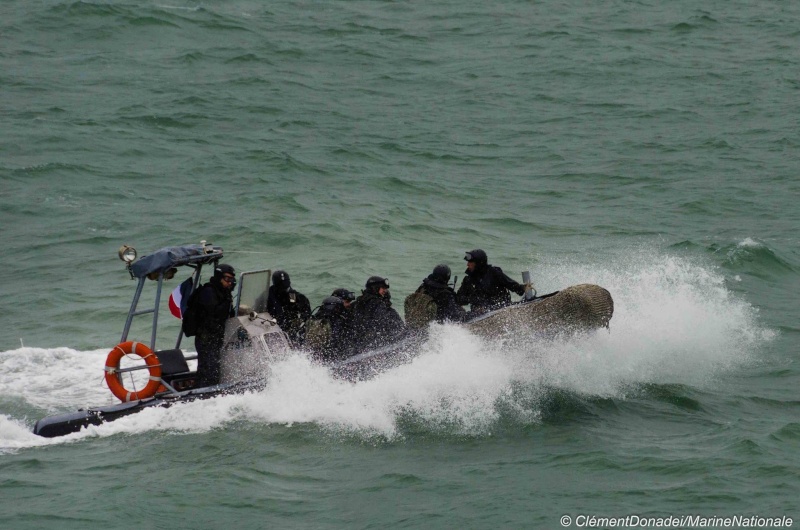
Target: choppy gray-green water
column 650, row 147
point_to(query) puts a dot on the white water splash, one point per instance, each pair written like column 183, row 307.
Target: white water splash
column 453, row 379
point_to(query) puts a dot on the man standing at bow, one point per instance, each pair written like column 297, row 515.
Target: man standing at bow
column 485, row 286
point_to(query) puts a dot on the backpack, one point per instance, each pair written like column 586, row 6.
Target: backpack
column 191, row 317
column 420, row 309
column 318, row 333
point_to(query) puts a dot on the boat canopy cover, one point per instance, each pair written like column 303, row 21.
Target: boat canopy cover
column 164, row 259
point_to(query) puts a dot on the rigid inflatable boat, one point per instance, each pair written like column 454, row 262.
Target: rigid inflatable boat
column 253, row 340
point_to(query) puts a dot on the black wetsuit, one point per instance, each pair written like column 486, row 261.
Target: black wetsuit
column 291, row 315
column 375, row 322
column 445, row 297
column 487, row 288
column 215, row 306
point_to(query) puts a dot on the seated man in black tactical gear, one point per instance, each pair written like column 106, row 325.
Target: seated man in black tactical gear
column 214, row 305
column 436, row 286
column 348, row 298
column 485, row 286
column 288, row 307
column 375, row 322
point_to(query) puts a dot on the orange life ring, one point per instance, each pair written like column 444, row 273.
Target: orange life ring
column 112, row 371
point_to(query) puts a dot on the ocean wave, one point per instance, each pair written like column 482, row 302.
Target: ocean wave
column 753, row 256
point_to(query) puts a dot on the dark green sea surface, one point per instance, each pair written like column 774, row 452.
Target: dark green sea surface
column 650, row 147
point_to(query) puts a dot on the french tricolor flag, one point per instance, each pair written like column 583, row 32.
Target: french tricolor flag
column 180, row 298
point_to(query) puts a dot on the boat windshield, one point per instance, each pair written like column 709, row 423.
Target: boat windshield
column 253, row 292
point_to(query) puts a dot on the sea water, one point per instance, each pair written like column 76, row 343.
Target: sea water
column 648, row 147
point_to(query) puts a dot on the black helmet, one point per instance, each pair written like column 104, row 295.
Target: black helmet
column 441, row 273
column 223, row 268
column 376, row 282
column 477, row 255
column 344, row 294
column 280, row 279
column 332, row 303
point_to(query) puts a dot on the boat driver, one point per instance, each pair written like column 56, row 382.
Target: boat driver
column 485, row 287
column 215, row 306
